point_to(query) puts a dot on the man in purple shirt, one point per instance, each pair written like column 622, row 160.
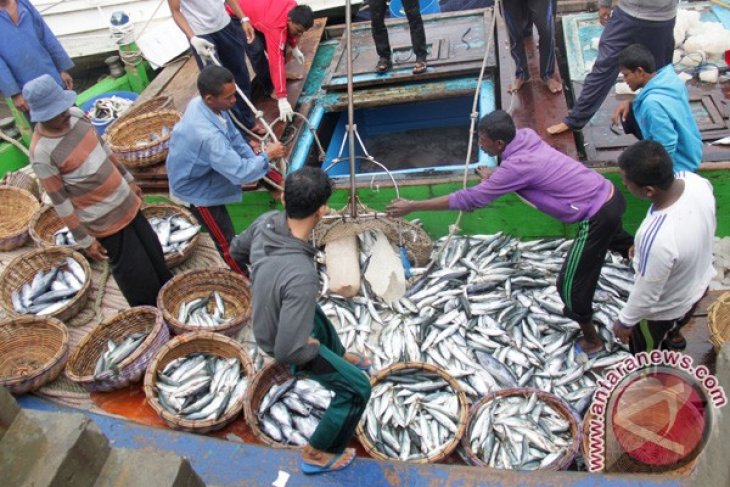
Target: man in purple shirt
column 559, row 186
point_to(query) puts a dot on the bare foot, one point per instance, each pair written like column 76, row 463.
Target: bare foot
column 554, row 85
column 516, row 85
column 589, row 347
column 357, row 360
column 313, row 456
column 558, row 128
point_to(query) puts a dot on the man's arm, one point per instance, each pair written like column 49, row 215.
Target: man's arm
column 245, row 23
column 402, row 207
column 241, row 243
column 240, row 166
column 180, row 19
column 276, row 38
column 656, row 125
column 296, row 319
column 8, row 86
column 60, row 58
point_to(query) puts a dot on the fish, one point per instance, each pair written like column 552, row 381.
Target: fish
column 174, row 232
column 115, row 352
column 205, row 312
column 201, row 386
column 63, row 236
column 49, row 291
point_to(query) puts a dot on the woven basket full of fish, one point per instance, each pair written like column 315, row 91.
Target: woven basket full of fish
column 417, row 413
column 143, row 140
column 156, row 104
column 718, row 320
column 197, row 382
column 48, row 230
column 117, row 352
column 216, row 300
column 177, row 230
column 17, row 207
column 33, row 351
column 52, row 282
column 522, row 428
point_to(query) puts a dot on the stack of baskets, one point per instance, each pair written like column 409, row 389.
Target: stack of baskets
column 164, row 210
column 81, row 365
column 718, row 320
column 44, row 224
column 143, row 140
column 17, row 207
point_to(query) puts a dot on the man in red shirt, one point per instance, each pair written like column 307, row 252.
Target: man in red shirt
column 277, row 23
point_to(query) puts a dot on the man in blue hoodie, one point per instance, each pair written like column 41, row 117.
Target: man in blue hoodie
column 661, row 111
column 209, row 160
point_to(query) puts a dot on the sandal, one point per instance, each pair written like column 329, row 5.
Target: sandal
column 420, row 67
column 384, row 65
column 311, row 469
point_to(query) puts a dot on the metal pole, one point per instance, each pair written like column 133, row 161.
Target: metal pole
column 350, row 109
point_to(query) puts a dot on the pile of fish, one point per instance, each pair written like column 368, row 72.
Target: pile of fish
column 518, row 433
column 290, row 412
column 206, row 312
column 63, row 236
column 490, row 315
column 49, row 291
column 109, row 108
column 412, row 414
column 153, row 137
column 201, row 386
column 174, row 232
column 116, row 352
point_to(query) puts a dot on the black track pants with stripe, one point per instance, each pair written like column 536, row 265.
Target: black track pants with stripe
column 220, row 227
column 350, row 385
column 517, row 15
column 582, row 267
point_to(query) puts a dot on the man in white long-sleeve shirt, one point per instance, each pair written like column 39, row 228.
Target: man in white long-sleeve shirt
column 673, row 249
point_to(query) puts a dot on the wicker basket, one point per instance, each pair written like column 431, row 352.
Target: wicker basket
column 130, row 140
column 156, row 104
column 143, row 319
column 17, row 207
column 33, row 352
column 23, row 268
column 463, row 411
column 163, row 210
column 271, row 375
column 199, row 283
column 562, row 408
column 181, row 346
column 43, row 225
column 718, row 320
column 23, row 179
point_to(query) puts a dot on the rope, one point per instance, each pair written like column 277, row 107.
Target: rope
column 100, row 291
column 17, row 144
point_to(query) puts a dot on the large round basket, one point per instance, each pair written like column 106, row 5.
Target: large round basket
column 44, row 224
column 271, row 375
column 557, row 404
column 17, row 207
column 143, row 140
column 200, row 283
column 164, row 210
column 23, row 178
column 142, row 319
column 718, row 320
column 182, row 346
column 156, row 104
column 23, row 268
column 460, row 427
column 33, row 351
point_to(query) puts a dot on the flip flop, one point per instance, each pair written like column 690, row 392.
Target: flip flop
column 360, row 364
column 420, row 67
column 675, row 345
column 310, row 469
column 583, row 357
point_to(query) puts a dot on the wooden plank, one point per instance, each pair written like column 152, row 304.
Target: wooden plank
column 456, row 43
column 534, row 106
column 156, row 87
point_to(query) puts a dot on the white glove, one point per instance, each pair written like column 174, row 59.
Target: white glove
column 204, row 48
column 286, row 113
column 298, row 55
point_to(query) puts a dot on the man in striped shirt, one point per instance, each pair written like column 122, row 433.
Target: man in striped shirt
column 92, row 192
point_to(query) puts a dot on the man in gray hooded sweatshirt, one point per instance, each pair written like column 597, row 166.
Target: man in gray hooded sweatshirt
column 289, row 325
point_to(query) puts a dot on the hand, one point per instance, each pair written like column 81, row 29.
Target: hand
column 484, row 172
column 137, row 190
column 622, row 333
column 399, row 207
column 298, row 55
column 604, row 13
column 67, row 80
column 20, row 103
column 286, row 113
column 96, row 251
column 203, row 47
column 312, row 341
column 249, row 31
column 631, row 252
column 621, row 112
column 275, row 151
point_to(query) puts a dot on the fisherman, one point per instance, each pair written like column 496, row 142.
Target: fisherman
column 647, row 22
column 290, row 326
column 211, row 31
column 673, row 258
column 380, row 35
column 520, row 15
column 661, row 111
column 92, row 192
column 276, row 24
column 559, row 186
column 28, row 49
column 209, row 160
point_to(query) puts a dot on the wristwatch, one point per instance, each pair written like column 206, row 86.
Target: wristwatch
column 245, row 19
